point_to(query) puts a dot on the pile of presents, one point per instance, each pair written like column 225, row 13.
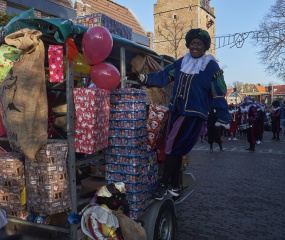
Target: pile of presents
column 38, row 186
column 33, row 175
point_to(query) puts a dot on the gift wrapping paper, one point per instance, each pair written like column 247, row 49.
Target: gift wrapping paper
column 92, row 111
column 55, row 59
column 47, row 180
column 127, row 159
column 156, row 123
column 99, row 19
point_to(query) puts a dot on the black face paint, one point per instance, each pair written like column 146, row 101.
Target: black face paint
column 197, row 48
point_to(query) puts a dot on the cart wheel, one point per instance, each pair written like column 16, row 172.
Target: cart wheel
column 165, row 224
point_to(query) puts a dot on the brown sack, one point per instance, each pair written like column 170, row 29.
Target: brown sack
column 130, row 229
column 144, row 65
column 23, row 95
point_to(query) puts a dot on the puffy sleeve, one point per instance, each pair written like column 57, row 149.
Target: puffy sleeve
column 162, row 78
column 219, row 90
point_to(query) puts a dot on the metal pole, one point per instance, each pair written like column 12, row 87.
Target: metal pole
column 123, row 66
column 236, row 96
column 272, row 92
column 70, row 118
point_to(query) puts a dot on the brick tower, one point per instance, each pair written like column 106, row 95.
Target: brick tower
column 173, row 19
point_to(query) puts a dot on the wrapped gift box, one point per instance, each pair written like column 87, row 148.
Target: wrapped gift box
column 156, row 123
column 47, row 180
column 13, row 201
column 99, row 19
column 153, row 171
column 92, row 109
column 12, row 170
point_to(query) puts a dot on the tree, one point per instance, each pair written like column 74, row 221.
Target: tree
column 248, row 87
column 172, row 32
column 5, row 18
column 271, row 39
column 238, row 85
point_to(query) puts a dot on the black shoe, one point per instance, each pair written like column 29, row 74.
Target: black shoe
column 274, row 138
column 250, row 149
column 221, row 149
column 160, row 192
column 174, row 191
column 211, row 150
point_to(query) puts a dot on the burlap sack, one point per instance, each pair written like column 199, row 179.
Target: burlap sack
column 23, row 95
column 131, row 230
column 144, row 65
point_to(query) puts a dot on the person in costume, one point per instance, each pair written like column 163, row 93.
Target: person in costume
column 233, row 129
column 214, row 132
column 252, row 117
column 198, row 84
column 275, row 120
column 282, row 116
column 242, row 119
column 260, row 122
column 204, row 132
column 98, row 221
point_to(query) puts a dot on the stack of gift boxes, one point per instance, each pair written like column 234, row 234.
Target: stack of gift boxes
column 99, row 19
column 127, row 159
column 12, row 185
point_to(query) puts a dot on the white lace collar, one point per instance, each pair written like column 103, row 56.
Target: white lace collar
column 103, row 215
column 192, row 65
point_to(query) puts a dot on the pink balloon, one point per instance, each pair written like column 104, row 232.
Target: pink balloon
column 97, row 43
column 105, row 76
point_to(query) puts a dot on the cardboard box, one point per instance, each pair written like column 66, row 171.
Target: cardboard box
column 91, row 184
column 12, row 170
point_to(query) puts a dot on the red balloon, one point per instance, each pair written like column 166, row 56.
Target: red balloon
column 105, row 76
column 97, row 43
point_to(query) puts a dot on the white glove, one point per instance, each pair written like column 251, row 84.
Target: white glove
column 219, row 124
column 142, row 78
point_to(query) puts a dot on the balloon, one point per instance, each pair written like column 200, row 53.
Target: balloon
column 79, row 63
column 72, row 49
column 105, row 76
column 97, row 43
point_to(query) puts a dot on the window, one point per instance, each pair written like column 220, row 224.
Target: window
column 175, row 16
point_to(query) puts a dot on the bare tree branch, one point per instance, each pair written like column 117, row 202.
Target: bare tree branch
column 271, row 39
column 173, row 32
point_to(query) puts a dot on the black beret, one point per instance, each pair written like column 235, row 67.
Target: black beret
column 198, row 33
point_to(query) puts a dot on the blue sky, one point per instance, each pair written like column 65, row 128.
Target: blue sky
column 240, row 64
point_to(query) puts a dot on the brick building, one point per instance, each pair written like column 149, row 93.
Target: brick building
column 43, row 8
column 71, row 9
column 172, row 20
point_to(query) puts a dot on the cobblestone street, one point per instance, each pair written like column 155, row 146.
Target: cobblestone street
column 239, row 194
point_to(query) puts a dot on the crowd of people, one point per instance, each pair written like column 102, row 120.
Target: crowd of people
column 247, row 121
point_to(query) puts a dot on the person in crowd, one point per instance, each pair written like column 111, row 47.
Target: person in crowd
column 252, row 121
column 198, row 84
column 242, row 119
column 260, row 122
column 282, row 116
column 233, row 129
column 214, row 132
column 204, row 132
column 275, row 120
